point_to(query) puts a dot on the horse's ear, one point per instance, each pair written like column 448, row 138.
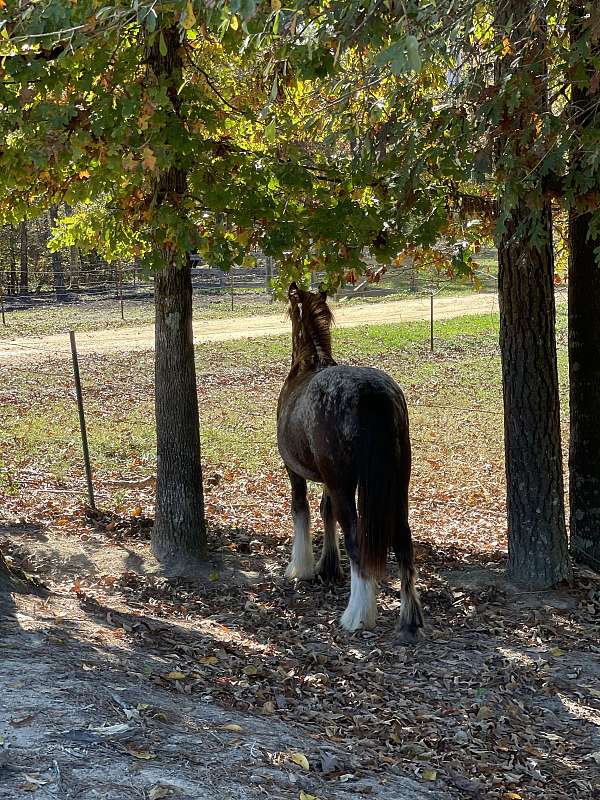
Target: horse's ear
column 322, row 294
column 294, row 292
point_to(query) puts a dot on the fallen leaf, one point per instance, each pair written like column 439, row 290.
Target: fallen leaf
column 250, row 670
column 485, row 712
column 210, row 660
column 175, row 675
column 157, row 792
column 557, row 652
column 301, row 760
column 304, row 796
column 145, row 755
column 429, row 774
column 231, row 726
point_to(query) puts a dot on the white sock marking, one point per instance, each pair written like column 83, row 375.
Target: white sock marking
column 302, row 563
column 362, row 606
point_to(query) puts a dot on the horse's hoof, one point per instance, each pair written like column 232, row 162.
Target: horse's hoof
column 353, row 620
column 295, row 572
column 329, row 573
column 408, row 635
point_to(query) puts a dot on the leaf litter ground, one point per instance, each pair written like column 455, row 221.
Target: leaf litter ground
column 233, row 682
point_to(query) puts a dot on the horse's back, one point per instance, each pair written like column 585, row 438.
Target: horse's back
column 331, row 412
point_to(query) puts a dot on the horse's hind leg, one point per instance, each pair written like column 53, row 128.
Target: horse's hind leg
column 328, row 566
column 302, row 564
column 361, row 611
column 411, row 613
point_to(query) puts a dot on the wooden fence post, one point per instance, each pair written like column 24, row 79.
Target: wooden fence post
column 84, row 441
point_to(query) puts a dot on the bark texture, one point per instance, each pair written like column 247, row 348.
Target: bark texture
column 179, row 529
column 584, row 322
column 537, row 540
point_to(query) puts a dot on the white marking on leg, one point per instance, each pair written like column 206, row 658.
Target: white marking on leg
column 362, row 606
column 302, row 563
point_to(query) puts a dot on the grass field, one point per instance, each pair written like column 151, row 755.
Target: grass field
column 454, row 398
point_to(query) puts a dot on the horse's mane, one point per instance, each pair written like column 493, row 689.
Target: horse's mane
column 316, row 320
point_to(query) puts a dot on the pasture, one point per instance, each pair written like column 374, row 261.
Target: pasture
column 237, row 683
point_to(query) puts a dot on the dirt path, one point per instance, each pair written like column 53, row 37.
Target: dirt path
column 142, row 337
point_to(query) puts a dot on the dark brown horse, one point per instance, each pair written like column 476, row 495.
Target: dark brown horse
column 347, row 428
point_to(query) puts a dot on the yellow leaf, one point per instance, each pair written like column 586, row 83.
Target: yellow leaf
column 208, row 660
column 175, row 676
column 157, row 792
column 189, row 18
column 149, row 158
column 250, row 670
column 234, row 23
column 304, row 796
column 136, row 512
column 429, row 774
column 505, row 46
column 141, row 754
column 557, row 652
column 62, row 521
column 276, row 5
column 231, row 726
column 301, row 760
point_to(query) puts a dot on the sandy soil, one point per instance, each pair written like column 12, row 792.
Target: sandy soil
column 142, row 337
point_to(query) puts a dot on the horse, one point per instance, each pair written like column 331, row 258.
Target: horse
column 346, row 428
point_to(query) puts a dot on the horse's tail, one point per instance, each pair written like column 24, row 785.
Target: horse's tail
column 383, row 476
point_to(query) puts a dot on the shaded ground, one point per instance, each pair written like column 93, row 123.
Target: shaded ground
column 208, row 330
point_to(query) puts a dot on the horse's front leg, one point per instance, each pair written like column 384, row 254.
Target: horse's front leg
column 302, row 564
column 328, row 567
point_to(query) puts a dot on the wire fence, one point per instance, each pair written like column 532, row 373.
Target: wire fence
column 127, row 285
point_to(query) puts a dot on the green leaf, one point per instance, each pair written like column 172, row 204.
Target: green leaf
column 270, row 131
column 412, row 53
column 162, row 45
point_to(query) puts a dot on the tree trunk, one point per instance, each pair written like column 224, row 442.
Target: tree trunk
column 179, row 529
column 24, row 277
column 537, row 540
column 584, row 316
column 57, row 267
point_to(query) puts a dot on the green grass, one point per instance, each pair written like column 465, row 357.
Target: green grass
column 454, row 397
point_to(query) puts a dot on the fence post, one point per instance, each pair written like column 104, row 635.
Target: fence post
column 2, row 304
column 431, row 325
column 84, row 441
